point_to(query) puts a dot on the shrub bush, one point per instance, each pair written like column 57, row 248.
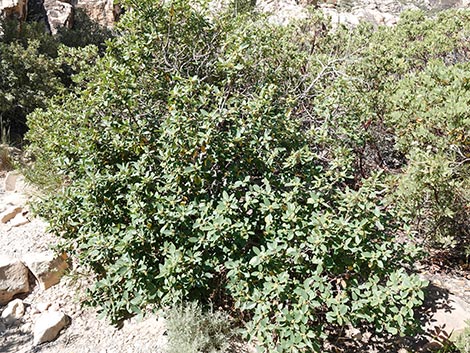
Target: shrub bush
column 203, row 163
column 408, row 85
column 432, row 127
column 36, row 66
column 190, row 329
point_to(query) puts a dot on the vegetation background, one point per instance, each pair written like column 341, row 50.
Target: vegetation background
column 290, row 175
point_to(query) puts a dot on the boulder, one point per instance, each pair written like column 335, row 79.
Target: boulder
column 103, row 12
column 59, row 14
column 13, row 278
column 14, row 310
column 48, row 326
column 42, row 307
column 9, row 213
column 449, row 317
column 10, row 180
column 47, row 267
column 14, row 8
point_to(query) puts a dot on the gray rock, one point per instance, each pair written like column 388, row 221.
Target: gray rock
column 48, row 326
column 47, row 267
column 104, row 12
column 10, row 180
column 450, row 318
column 13, row 278
column 59, row 14
column 14, row 8
column 14, row 310
column 42, row 307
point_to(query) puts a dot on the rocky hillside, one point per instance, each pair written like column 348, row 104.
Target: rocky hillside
column 56, row 13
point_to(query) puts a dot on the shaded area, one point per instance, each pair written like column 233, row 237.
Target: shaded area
column 436, row 299
column 14, row 338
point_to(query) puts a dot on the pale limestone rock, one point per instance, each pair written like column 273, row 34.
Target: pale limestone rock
column 59, row 14
column 42, row 307
column 9, row 213
column 13, row 278
column 14, row 8
column 19, row 220
column 450, row 317
column 14, row 310
column 47, row 267
column 100, row 11
column 48, row 326
column 14, row 199
column 9, row 183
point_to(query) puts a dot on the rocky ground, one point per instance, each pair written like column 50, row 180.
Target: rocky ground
column 352, row 12
column 84, row 332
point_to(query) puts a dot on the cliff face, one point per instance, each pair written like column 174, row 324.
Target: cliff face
column 14, row 8
column 102, row 11
column 58, row 13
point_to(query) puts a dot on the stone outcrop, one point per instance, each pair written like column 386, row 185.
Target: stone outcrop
column 59, row 14
column 14, row 310
column 13, row 278
column 10, row 181
column 48, row 326
column 14, row 8
column 46, row 267
column 103, row 12
column 19, row 220
column 451, row 318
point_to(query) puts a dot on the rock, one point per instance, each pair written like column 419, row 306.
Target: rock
column 13, row 278
column 48, row 326
column 10, row 181
column 14, row 8
column 59, row 14
column 47, row 267
column 14, row 310
column 19, row 220
column 9, row 213
column 103, row 12
column 449, row 317
column 42, row 307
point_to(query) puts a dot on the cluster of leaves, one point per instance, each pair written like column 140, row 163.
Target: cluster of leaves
column 204, row 163
column 35, row 67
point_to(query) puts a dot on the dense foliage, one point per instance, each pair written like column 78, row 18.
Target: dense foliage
column 29, row 76
column 202, row 162
column 36, row 66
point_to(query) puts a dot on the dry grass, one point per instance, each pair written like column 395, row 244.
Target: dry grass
column 6, row 161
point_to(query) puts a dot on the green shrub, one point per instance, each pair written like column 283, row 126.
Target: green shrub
column 409, row 87
column 432, row 128
column 28, row 79
column 191, row 330
column 204, row 163
column 35, row 66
